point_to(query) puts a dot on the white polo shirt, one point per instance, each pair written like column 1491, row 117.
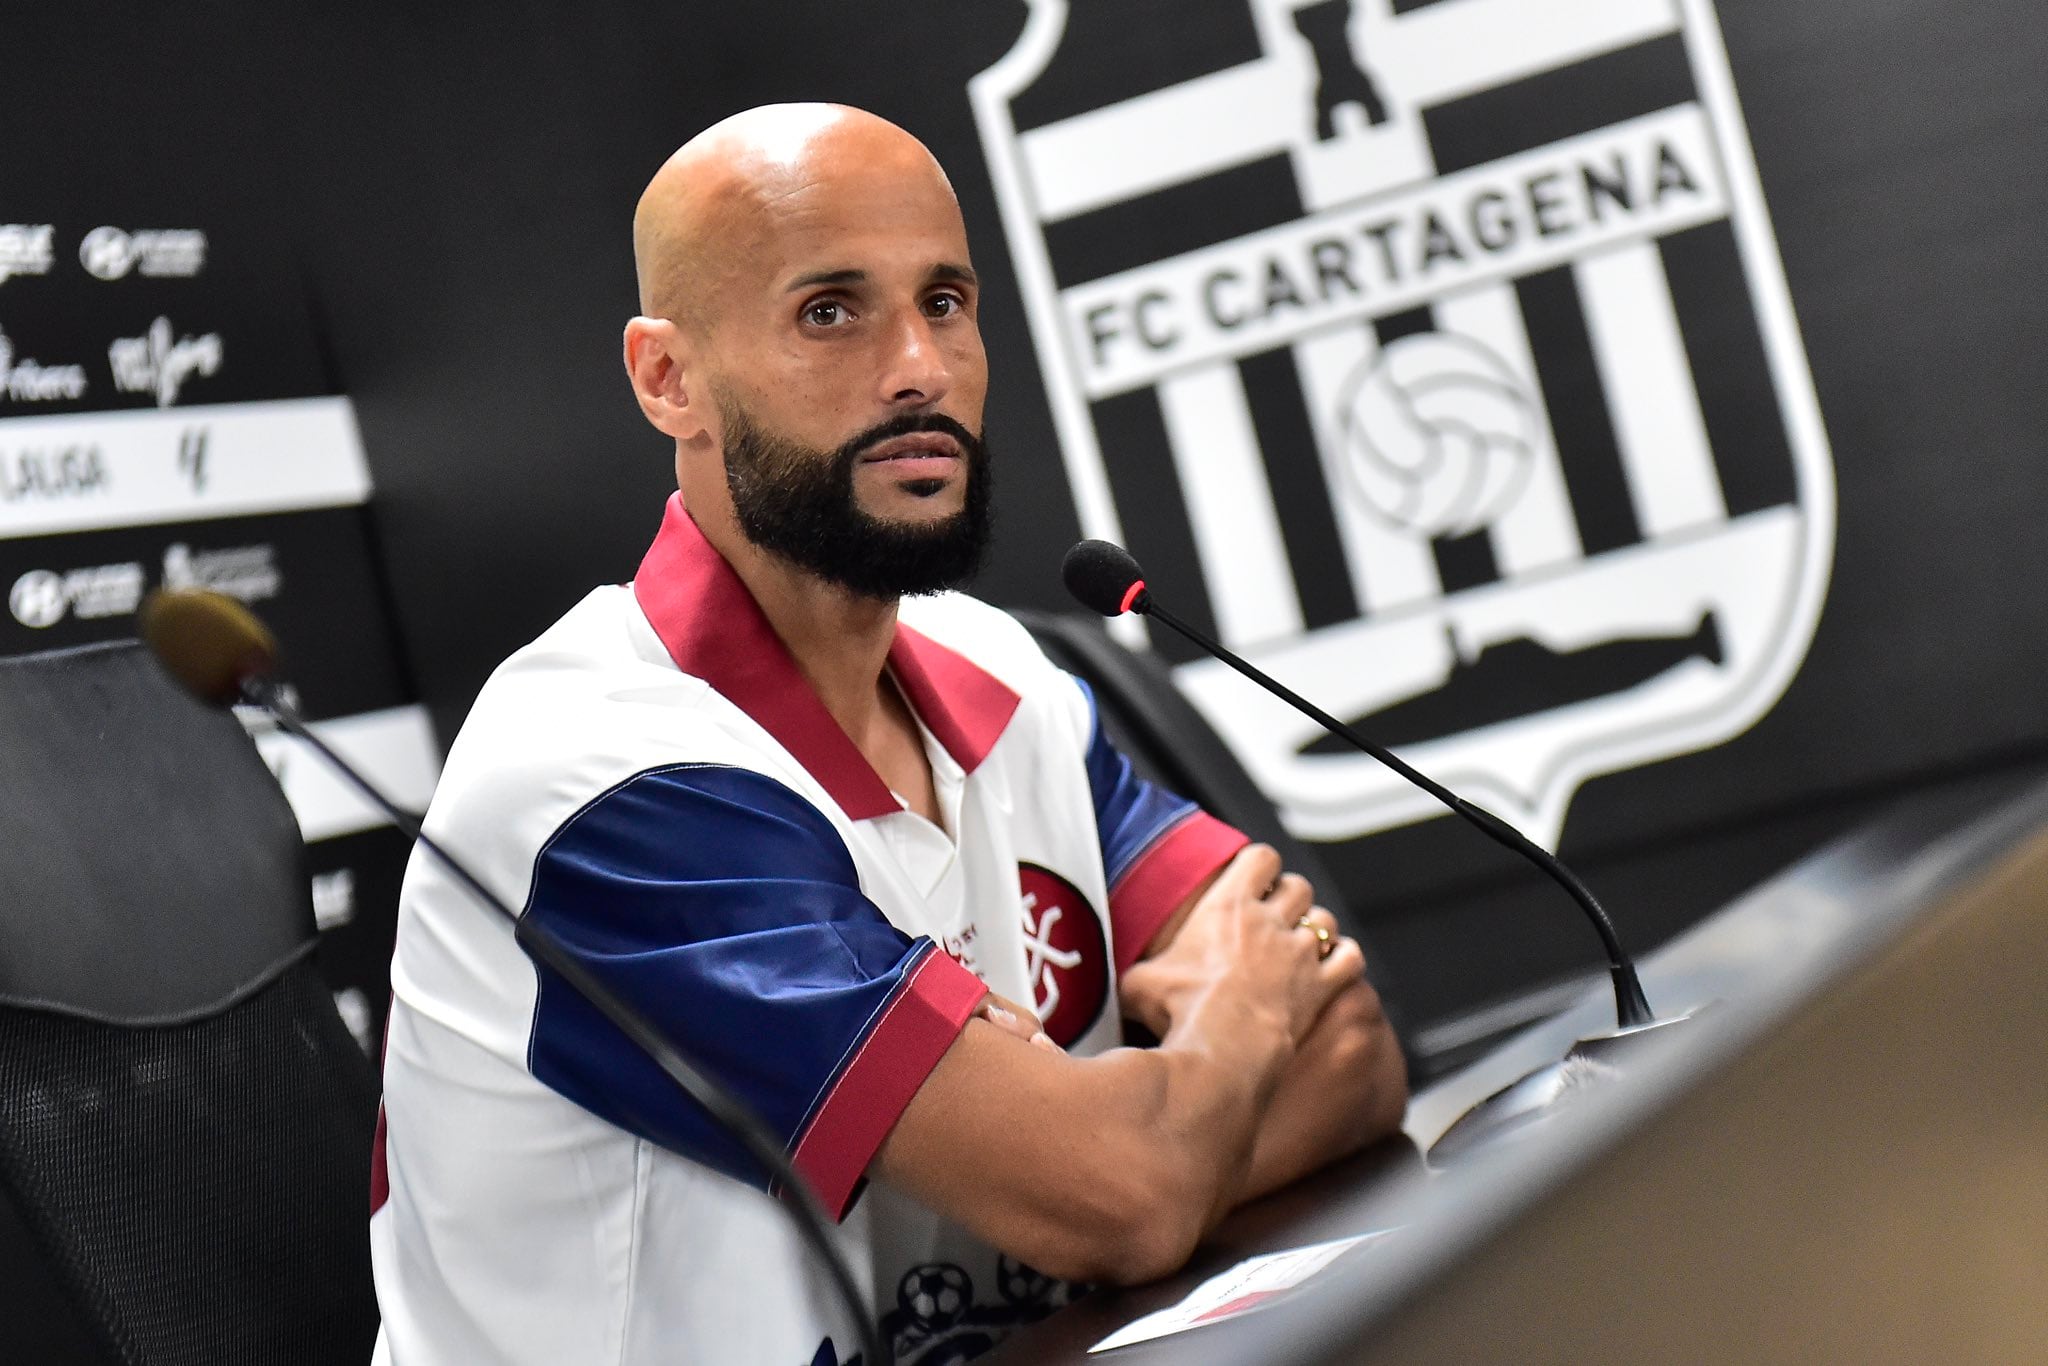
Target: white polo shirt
column 655, row 782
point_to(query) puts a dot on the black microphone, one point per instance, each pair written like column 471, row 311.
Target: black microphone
column 219, row 651
column 1107, row 578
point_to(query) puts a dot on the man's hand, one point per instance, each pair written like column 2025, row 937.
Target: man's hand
column 1347, row 1083
column 1021, row 1021
column 1346, row 1086
column 1245, row 930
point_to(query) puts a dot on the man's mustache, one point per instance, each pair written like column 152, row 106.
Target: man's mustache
column 970, row 444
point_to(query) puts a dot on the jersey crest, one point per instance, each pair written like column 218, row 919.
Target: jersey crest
column 1065, row 958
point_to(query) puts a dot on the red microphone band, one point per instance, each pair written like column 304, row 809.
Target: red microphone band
column 1130, row 596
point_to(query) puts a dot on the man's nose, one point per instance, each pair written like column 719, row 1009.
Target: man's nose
column 915, row 370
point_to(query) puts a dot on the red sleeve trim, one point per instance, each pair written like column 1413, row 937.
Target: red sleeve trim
column 1152, row 889
column 917, row 1027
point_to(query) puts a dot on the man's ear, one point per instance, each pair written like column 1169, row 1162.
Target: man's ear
column 657, row 364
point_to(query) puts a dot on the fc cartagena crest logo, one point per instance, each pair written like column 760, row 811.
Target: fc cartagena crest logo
column 1437, row 354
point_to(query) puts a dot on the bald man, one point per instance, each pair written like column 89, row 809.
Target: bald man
column 852, row 842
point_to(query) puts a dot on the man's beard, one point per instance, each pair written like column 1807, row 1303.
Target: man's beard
column 797, row 502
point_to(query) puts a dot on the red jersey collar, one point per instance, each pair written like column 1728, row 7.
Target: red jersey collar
column 714, row 630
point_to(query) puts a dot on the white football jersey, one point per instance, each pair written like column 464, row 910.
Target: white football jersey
column 655, row 783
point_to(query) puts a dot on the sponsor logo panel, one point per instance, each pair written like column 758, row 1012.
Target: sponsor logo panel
column 160, row 362
column 23, row 379
column 41, row 598
column 26, row 249
column 174, row 462
column 172, row 325
column 110, row 253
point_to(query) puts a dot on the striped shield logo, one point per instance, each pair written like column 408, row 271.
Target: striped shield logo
column 1437, row 355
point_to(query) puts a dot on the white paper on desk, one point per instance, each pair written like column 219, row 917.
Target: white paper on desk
column 1251, row 1284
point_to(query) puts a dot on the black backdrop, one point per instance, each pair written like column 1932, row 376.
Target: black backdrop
column 450, row 188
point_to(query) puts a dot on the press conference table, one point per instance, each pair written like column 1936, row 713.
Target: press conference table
column 1788, row 1176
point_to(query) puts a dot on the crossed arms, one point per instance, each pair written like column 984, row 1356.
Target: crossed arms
column 1272, row 1061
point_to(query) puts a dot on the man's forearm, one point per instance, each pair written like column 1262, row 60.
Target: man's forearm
column 1112, row 1167
column 1107, row 1168
column 1226, row 1062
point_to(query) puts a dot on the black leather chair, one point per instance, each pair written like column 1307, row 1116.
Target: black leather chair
column 185, row 1122
column 1170, row 743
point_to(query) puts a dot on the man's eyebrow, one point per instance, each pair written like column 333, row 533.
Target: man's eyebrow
column 826, row 277
column 945, row 270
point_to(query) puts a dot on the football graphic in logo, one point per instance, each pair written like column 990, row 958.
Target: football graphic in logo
column 1439, row 432
column 1064, row 953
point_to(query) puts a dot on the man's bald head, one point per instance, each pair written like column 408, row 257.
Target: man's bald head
column 708, row 211
column 806, row 288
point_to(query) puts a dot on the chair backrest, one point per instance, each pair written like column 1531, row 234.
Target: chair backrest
column 1170, row 743
column 185, row 1122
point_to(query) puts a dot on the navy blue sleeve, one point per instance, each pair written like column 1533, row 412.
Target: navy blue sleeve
column 727, row 910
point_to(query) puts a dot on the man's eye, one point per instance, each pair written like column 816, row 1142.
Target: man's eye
column 943, row 305
column 825, row 313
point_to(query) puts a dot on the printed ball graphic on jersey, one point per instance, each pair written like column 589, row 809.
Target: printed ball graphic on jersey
column 1065, row 956
column 1022, row 1284
column 1437, row 433
column 935, row 1295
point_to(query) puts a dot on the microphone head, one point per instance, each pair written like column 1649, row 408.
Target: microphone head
column 207, row 641
column 1104, row 577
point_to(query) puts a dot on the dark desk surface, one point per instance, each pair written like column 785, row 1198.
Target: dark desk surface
column 1758, row 961
column 1301, row 1214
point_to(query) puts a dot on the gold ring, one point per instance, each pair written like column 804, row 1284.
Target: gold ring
column 1325, row 945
